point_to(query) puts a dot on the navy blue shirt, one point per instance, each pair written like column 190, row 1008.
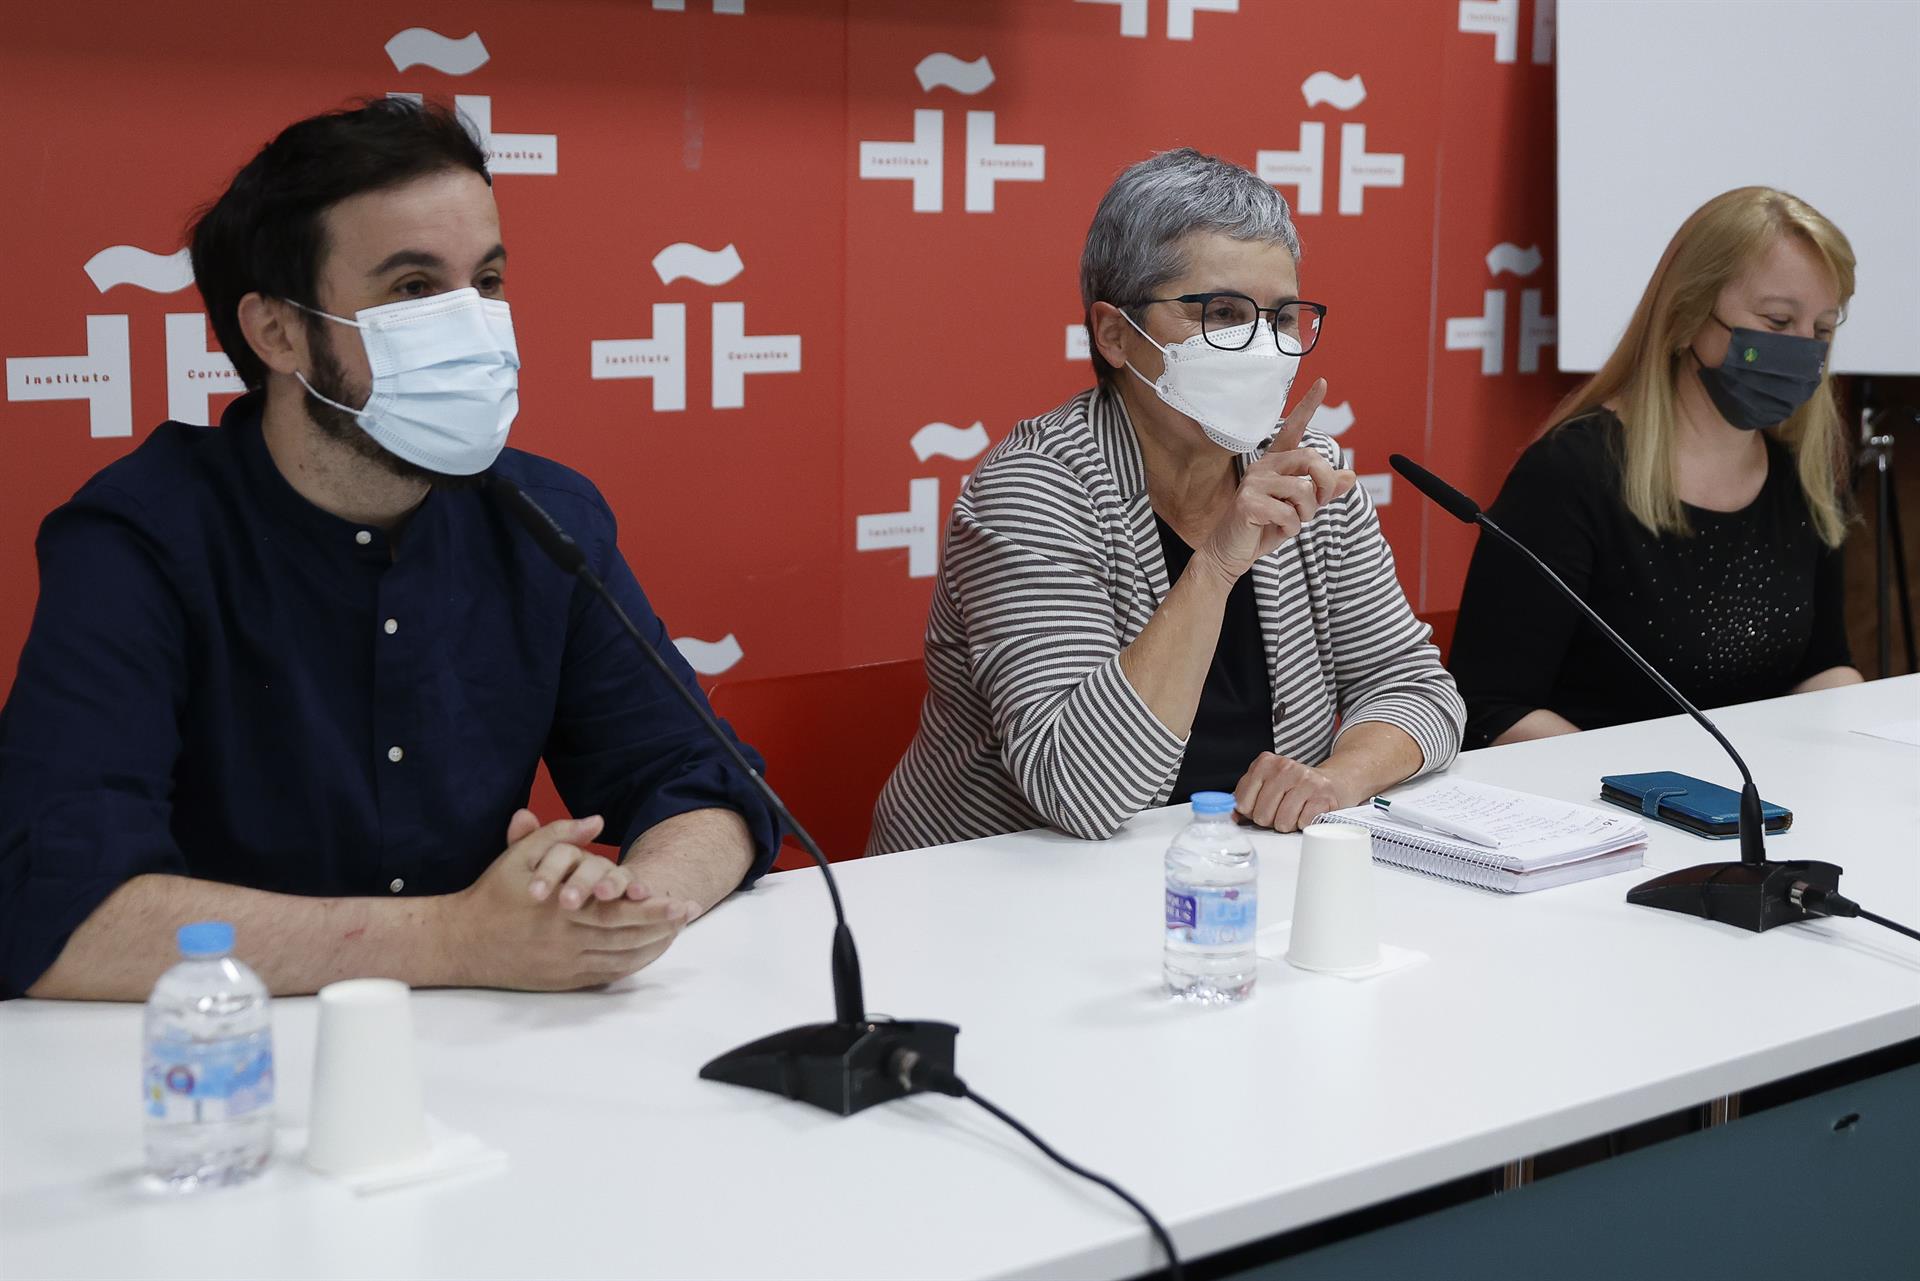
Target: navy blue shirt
column 223, row 681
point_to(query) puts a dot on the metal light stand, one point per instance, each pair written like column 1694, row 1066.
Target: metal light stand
column 1890, row 551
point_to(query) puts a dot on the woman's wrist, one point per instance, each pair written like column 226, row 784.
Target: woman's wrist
column 1209, row 574
column 1351, row 786
column 1369, row 758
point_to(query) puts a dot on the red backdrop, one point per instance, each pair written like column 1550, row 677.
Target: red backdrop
column 761, row 247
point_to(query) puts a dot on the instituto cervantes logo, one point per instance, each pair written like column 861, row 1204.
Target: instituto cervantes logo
column 663, row 357
column 102, row 375
column 918, row 528
column 1304, row 169
column 507, row 153
column 921, row 161
column 1134, row 15
column 1487, row 332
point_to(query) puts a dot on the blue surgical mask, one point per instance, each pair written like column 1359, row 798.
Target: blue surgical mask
column 446, row 379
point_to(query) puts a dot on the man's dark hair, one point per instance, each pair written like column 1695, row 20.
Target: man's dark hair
column 265, row 233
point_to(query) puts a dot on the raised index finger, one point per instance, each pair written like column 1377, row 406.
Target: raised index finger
column 1293, row 428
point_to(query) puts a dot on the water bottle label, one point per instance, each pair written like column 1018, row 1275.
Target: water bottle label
column 1214, row 917
column 1181, row 910
column 199, row 1081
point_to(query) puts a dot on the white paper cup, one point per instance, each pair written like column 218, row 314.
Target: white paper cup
column 1333, row 918
column 367, row 1107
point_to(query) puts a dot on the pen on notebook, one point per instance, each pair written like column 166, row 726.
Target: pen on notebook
column 1405, row 813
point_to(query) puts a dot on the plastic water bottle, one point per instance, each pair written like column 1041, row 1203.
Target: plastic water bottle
column 1213, row 889
column 208, row 1084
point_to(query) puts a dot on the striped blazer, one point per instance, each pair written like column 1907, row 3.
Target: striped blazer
column 1052, row 566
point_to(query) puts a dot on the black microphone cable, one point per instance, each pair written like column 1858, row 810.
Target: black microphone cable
column 916, row 1074
column 1819, row 902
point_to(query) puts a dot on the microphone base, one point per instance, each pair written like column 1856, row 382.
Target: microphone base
column 841, row 1067
column 1752, row 896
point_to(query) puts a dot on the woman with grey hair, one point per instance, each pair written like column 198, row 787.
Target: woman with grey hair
column 1162, row 586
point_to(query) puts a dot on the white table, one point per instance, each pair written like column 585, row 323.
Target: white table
column 1539, row 1020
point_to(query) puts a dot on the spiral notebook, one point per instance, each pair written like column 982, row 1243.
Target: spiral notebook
column 1532, row 842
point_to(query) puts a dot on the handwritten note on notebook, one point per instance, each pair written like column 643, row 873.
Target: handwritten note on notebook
column 1532, row 831
column 1508, row 817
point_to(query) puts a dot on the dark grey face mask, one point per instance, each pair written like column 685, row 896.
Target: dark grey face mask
column 1764, row 377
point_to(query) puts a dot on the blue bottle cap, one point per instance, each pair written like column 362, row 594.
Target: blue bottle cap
column 1212, row 804
column 206, row 938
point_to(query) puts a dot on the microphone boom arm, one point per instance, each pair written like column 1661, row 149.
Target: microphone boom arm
column 1755, row 893
column 1752, row 838
column 839, row 1066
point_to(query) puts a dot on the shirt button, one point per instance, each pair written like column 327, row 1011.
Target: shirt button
column 394, row 754
column 396, row 885
column 363, row 538
column 392, row 625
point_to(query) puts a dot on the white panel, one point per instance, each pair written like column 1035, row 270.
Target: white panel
column 1664, row 105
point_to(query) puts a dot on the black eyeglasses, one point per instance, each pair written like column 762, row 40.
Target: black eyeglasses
column 1228, row 321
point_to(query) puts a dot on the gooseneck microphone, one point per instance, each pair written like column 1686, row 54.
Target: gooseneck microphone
column 840, row 1066
column 853, row 1062
column 1755, row 893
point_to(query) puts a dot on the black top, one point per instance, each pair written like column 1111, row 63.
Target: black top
column 225, row 682
column 1745, row 608
column 1234, row 723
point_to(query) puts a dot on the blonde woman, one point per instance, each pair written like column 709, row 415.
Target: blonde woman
column 1689, row 490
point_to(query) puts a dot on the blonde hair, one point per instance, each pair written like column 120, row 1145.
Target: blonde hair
column 1714, row 245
